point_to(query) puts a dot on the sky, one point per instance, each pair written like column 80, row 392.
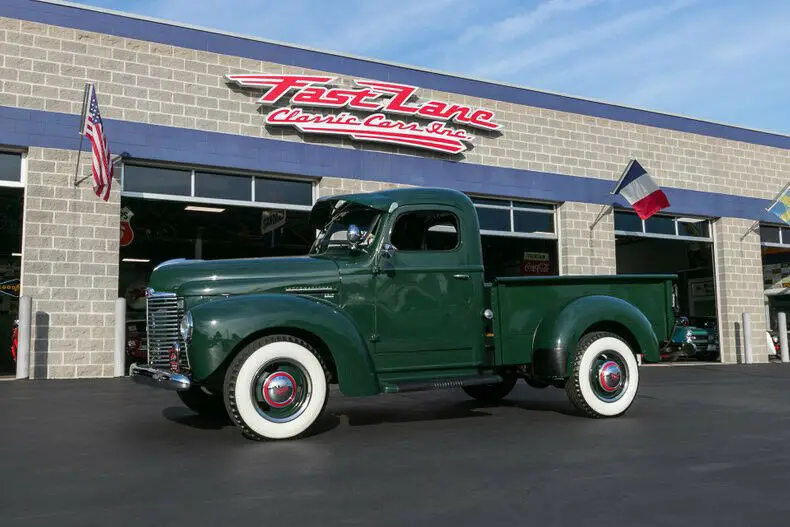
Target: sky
column 719, row 60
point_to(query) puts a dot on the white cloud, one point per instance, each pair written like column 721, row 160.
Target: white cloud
column 556, row 47
column 518, row 25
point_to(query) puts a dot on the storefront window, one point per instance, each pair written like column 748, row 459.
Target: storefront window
column 770, row 234
column 10, row 167
column 524, row 221
column 628, row 223
column 156, row 180
column 660, row 225
column 506, row 216
column 220, row 186
column 493, row 219
column 283, row 191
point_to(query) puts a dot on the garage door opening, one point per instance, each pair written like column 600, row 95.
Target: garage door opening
column 681, row 246
column 775, row 242
column 11, row 207
column 518, row 237
column 169, row 213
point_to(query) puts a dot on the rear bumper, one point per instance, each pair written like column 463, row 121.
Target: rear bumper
column 168, row 380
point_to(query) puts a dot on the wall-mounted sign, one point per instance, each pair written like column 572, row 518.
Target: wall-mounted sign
column 127, row 234
column 536, row 264
column 272, row 220
column 380, row 99
column 10, row 288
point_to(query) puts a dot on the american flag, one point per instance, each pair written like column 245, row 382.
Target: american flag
column 101, row 167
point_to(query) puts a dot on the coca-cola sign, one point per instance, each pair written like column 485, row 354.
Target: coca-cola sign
column 379, row 99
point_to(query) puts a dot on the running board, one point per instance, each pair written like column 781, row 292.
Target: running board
column 440, row 383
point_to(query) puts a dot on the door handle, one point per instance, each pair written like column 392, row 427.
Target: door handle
column 461, row 276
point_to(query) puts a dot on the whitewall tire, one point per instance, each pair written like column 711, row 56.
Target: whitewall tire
column 276, row 388
column 604, row 378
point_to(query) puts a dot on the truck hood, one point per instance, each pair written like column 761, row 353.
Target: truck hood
column 242, row 276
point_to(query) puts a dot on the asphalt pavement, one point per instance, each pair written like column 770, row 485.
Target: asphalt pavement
column 702, row 445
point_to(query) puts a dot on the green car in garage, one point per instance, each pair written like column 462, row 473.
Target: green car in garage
column 391, row 298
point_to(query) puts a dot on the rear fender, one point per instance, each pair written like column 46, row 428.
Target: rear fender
column 559, row 332
column 221, row 326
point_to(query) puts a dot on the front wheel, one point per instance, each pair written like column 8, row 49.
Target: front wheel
column 605, row 375
column 276, row 388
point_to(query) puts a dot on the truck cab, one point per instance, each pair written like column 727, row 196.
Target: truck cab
column 391, row 297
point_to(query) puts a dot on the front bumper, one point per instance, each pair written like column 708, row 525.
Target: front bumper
column 168, row 380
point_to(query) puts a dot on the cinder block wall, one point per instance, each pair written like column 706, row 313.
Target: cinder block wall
column 740, row 288
column 585, row 249
column 70, row 267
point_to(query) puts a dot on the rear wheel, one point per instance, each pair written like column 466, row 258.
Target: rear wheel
column 492, row 393
column 276, row 388
column 604, row 377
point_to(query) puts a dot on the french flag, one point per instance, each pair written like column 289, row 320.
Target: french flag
column 641, row 191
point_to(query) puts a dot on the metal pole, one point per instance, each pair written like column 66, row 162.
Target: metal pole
column 783, row 337
column 23, row 337
column 747, row 338
column 120, row 337
column 82, row 129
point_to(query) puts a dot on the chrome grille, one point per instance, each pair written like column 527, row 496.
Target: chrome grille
column 163, row 315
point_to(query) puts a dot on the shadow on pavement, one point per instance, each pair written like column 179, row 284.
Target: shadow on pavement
column 186, row 417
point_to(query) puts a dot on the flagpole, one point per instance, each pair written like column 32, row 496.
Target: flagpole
column 612, row 193
column 767, row 209
column 601, row 214
column 622, row 176
column 82, row 130
column 778, row 196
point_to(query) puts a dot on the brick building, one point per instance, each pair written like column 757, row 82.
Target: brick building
column 204, row 175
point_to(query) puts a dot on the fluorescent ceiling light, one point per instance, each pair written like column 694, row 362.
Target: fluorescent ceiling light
column 136, row 260
column 16, row 254
column 203, row 209
column 690, row 220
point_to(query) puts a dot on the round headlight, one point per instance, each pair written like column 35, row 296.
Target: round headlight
column 185, row 328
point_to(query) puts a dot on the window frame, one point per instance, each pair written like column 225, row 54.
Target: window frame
column 412, row 209
column 513, row 205
column 22, row 168
column 781, row 226
column 676, row 220
column 192, row 198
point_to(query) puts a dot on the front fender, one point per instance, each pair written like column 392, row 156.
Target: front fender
column 558, row 333
column 220, row 326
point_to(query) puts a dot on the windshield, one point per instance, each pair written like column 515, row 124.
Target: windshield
column 334, row 233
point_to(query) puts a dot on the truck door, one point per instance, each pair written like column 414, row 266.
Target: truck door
column 428, row 298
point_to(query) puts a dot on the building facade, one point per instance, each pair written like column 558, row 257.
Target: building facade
column 208, row 167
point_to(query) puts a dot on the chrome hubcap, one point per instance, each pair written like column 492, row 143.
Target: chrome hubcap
column 281, row 390
column 608, row 376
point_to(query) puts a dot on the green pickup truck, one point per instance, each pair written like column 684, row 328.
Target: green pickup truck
column 391, row 298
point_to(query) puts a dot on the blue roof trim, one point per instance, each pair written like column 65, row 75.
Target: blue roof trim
column 23, row 127
column 130, row 27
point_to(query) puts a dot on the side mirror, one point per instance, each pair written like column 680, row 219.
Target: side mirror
column 353, row 235
column 387, row 250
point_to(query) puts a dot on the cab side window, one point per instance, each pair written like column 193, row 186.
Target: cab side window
column 425, row 230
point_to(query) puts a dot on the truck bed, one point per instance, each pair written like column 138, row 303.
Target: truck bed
column 521, row 303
